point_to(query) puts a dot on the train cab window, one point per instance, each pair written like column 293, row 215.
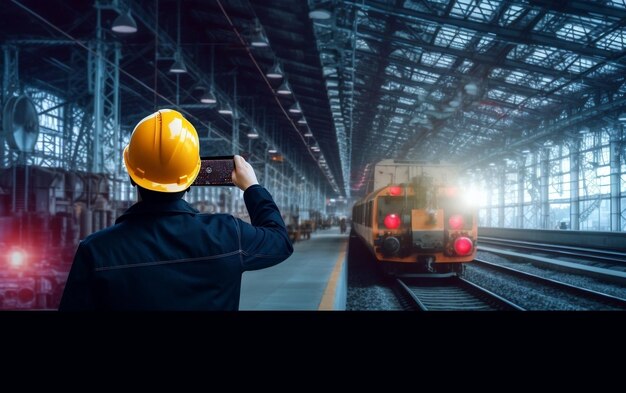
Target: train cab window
column 390, row 205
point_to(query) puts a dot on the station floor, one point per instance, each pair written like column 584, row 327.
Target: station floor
column 308, row 280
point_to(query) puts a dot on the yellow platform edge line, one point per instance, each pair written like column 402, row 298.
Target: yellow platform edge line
column 328, row 299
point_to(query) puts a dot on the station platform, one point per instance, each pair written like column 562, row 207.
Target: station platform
column 313, row 278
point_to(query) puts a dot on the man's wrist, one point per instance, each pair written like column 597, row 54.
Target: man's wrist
column 251, row 185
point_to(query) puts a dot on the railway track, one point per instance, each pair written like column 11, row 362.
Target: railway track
column 578, row 291
column 586, row 254
column 448, row 294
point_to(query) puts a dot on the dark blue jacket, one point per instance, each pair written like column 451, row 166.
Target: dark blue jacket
column 167, row 256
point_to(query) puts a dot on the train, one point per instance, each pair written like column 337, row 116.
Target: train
column 416, row 219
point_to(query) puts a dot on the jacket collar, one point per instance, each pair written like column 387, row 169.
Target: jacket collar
column 179, row 206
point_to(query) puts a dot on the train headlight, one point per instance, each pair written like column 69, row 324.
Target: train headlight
column 463, row 246
column 17, row 258
column 392, row 221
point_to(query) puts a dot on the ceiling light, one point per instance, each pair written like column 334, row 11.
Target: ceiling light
column 308, row 134
column 259, row 40
column 124, row 23
column 272, row 151
column 178, row 67
column 208, row 97
column 275, row 72
column 471, row 89
column 253, row 134
column 622, row 117
column 295, row 108
column 302, row 120
column 284, row 88
column 225, row 109
column 320, row 13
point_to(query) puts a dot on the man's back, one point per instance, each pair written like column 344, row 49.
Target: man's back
column 167, row 256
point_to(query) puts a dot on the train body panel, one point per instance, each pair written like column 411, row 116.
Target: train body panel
column 422, row 223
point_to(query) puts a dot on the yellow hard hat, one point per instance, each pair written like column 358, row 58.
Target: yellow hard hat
column 164, row 152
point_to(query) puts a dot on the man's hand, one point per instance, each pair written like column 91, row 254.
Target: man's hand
column 243, row 175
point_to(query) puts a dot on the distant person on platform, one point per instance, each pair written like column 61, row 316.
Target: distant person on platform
column 161, row 254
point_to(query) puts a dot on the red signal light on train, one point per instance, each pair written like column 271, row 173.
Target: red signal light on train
column 455, row 221
column 392, row 221
column 395, row 190
column 463, row 246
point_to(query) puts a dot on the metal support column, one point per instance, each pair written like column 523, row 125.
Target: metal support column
column 488, row 215
column 543, row 188
column 521, row 173
column 10, row 85
column 98, row 99
column 615, row 165
column 574, row 176
column 501, row 190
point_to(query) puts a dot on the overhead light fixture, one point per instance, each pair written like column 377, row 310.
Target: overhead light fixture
column 295, row 108
column 622, row 117
column 258, row 38
column 208, row 97
column 178, row 67
column 124, row 23
column 276, row 72
column 471, row 89
column 320, row 12
column 584, row 130
column 315, row 148
column 302, row 120
column 225, row 109
column 308, row 134
column 272, row 151
column 253, row 134
column 284, row 88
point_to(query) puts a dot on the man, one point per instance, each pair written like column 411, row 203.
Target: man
column 161, row 254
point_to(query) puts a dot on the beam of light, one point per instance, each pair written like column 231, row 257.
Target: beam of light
column 17, row 258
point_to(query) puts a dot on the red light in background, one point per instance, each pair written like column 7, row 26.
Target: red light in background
column 451, row 192
column 455, row 222
column 392, row 221
column 395, row 190
column 463, row 246
column 17, row 258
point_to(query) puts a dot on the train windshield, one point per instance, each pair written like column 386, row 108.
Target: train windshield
column 391, row 205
